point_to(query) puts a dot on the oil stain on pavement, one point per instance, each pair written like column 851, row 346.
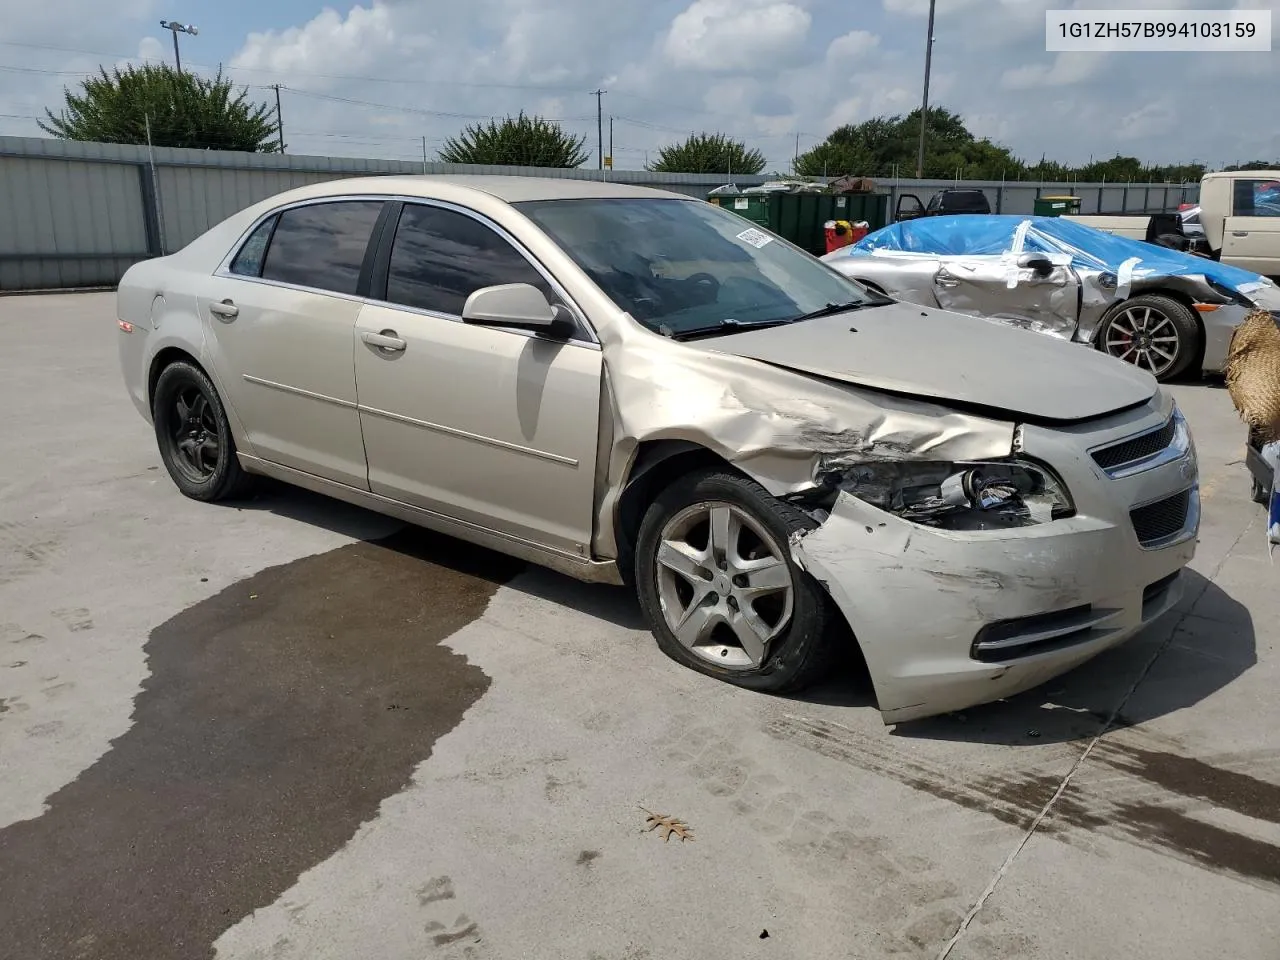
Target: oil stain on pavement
column 277, row 716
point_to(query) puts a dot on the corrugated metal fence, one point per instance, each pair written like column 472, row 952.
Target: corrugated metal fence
column 79, row 214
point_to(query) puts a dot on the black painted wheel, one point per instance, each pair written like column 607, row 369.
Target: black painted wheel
column 194, row 435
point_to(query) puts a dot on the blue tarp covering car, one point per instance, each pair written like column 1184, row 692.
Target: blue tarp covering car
column 1161, row 309
column 1087, row 247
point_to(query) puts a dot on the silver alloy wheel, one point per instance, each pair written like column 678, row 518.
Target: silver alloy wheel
column 1145, row 337
column 724, row 584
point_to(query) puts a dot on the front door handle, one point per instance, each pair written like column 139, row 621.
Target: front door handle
column 1239, row 233
column 226, row 308
column 948, row 282
column 386, row 340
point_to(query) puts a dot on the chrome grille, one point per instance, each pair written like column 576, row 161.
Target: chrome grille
column 1136, row 448
column 1161, row 520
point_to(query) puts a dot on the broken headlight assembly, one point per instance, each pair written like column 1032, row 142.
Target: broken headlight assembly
column 986, row 495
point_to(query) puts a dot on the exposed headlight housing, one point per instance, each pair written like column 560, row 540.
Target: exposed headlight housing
column 974, row 495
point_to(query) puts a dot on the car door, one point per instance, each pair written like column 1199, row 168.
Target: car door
column 494, row 427
column 998, row 287
column 279, row 323
column 1251, row 237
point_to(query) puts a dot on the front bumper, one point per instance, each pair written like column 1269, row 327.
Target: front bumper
column 947, row 620
column 1219, row 325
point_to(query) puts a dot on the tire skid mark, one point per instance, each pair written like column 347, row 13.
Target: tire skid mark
column 1131, row 790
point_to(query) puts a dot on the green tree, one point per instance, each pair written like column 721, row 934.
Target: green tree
column 709, row 153
column 516, row 141
column 1254, row 165
column 876, row 146
column 182, row 109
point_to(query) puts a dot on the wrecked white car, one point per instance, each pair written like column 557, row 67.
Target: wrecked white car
column 633, row 386
column 1160, row 309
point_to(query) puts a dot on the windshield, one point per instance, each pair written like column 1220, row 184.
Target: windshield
column 682, row 265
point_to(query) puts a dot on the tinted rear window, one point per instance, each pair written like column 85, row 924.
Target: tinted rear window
column 322, row 245
column 966, row 200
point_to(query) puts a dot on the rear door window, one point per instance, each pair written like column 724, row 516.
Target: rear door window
column 322, row 245
column 440, row 257
column 248, row 262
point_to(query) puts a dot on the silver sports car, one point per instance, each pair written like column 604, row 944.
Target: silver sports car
column 1165, row 311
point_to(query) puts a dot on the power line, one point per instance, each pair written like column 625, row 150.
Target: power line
column 550, row 88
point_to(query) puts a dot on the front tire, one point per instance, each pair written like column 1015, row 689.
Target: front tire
column 720, row 590
column 1153, row 332
column 194, row 435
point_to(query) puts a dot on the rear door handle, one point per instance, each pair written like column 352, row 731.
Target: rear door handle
column 386, row 340
column 1239, row 233
column 224, row 309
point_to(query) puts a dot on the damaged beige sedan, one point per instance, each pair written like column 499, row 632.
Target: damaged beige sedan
column 633, row 386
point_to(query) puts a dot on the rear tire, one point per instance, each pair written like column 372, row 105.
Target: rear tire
column 1257, row 492
column 722, row 595
column 194, row 435
column 1153, row 332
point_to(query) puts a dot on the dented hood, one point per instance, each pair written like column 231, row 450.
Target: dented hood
column 950, row 357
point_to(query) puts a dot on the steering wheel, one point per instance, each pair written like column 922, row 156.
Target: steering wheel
column 704, row 280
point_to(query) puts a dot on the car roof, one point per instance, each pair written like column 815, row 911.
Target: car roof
column 1243, row 175
column 508, row 189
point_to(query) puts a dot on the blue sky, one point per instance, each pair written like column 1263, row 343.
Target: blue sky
column 762, row 70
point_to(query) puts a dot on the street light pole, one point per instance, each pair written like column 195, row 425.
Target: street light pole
column 924, row 104
column 176, row 28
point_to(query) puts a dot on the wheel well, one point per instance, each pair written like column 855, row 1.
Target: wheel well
column 166, row 357
column 657, row 463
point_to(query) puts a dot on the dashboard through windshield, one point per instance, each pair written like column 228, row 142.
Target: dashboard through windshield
column 683, row 265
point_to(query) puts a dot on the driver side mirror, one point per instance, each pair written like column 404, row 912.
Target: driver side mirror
column 519, row 306
column 1038, row 263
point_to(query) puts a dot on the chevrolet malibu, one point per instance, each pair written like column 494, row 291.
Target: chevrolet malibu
column 633, row 386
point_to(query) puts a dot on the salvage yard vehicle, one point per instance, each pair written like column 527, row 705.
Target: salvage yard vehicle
column 941, row 204
column 1164, row 311
column 632, row 386
column 1238, row 219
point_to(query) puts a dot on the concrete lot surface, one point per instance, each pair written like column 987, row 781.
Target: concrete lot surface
column 292, row 729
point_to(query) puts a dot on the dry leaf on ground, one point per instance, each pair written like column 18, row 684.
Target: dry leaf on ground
column 668, row 826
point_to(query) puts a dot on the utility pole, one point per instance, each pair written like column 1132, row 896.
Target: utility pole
column 924, row 103
column 611, row 143
column 279, row 118
column 424, row 154
column 600, row 126
column 176, row 28
column 795, row 164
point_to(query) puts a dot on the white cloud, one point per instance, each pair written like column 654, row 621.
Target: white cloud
column 852, row 47
column 728, row 35
column 759, row 70
column 1149, row 120
column 1066, row 69
column 327, row 40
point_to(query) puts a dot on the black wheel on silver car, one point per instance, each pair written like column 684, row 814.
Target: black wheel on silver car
column 194, row 435
column 1155, row 333
column 717, row 583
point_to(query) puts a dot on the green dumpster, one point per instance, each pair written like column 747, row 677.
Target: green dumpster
column 755, row 207
column 1057, row 206
column 799, row 217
